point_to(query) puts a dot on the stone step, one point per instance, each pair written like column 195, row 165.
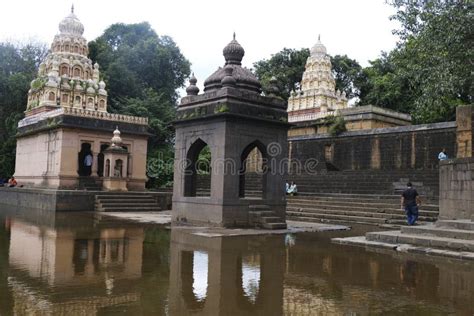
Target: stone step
column 397, row 216
column 270, row 219
column 122, row 196
column 130, row 209
column 347, row 218
column 396, row 237
column 434, row 230
column 280, row 225
column 259, row 207
column 336, row 206
column 127, row 200
column 456, row 224
column 344, row 221
column 116, row 204
column 357, row 202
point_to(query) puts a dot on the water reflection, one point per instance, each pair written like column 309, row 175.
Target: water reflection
column 245, row 275
column 87, row 264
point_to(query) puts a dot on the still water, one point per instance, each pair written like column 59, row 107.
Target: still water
column 88, row 264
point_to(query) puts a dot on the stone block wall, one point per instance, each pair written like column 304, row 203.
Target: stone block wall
column 456, row 181
column 397, row 148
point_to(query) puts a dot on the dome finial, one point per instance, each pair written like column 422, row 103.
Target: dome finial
column 319, row 37
column 72, row 8
column 192, row 89
column 233, row 52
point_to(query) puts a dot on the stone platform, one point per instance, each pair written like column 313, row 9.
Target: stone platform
column 71, row 200
column 446, row 238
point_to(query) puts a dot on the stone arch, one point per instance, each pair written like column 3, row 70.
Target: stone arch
column 243, row 167
column 51, row 96
column 195, row 278
column 76, row 49
column 77, row 71
column 102, row 104
column 77, row 100
column 64, row 70
column 193, row 166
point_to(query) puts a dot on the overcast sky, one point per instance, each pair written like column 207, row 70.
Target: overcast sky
column 201, row 28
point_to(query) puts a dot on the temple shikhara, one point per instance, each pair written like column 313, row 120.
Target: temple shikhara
column 317, row 99
column 64, row 139
column 67, row 78
column 317, row 96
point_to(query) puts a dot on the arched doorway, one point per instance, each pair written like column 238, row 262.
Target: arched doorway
column 253, row 169
column 198, row 173
column 85, row 159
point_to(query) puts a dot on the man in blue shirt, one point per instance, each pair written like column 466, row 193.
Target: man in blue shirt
column 410, row 201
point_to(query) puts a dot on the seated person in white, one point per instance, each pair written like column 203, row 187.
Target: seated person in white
column 292, row 190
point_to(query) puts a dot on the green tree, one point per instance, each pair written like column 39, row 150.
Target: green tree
column 434, row 58
column 18, row 66
column 347, row 73
column 287, row 66
column 143, row 72
column 133, row 58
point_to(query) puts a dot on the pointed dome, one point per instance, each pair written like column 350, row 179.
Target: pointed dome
column 318, row 48
column 244, row 78
column 233, row 52
column 71, row 25
column 192, row 89
column 116, row 140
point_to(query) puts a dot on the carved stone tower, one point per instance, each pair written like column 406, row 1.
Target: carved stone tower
column 67, row 78
column 317, row 96
column 232, row 119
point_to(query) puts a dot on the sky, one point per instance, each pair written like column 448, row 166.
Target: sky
column 201, row 28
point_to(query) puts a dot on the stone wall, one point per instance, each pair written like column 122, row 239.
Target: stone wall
column 456, row 181
column 397, row 148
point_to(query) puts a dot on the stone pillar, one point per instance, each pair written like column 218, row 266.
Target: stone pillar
column 456, row 176
column 464, row 138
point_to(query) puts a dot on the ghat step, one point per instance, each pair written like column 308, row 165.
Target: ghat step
column 414, row 238
column 262, row 216
column 126, row 202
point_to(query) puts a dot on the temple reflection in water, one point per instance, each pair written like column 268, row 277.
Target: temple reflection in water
column 87, row 265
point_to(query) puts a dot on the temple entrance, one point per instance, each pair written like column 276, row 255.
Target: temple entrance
column 100, row 160
column 84, row 160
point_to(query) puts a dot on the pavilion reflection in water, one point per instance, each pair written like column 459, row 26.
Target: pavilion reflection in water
column 225, row 275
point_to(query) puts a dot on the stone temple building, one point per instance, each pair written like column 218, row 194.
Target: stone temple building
column 317, row 96
column 317, row 99
column 67, row 130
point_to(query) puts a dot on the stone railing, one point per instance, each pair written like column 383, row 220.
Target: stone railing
column 309, row 116
column 106, row 116
column 83, row 113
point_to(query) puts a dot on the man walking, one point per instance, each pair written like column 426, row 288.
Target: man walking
column 410, row 201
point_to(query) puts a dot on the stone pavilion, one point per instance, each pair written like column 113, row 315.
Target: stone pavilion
column 232, row 118
column 66, row 130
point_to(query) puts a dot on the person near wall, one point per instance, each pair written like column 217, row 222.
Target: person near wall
column 442, row 155
column 88, row 164
column 410, row 201
column 12, row 182
column 292, row 190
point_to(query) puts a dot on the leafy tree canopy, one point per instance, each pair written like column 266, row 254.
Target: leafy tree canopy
column 133, row 59
column 18, row 66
